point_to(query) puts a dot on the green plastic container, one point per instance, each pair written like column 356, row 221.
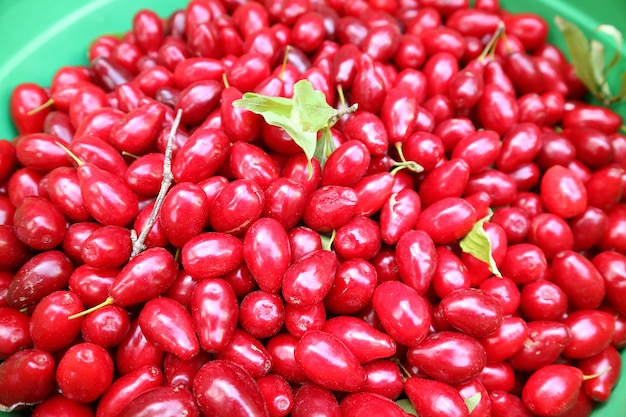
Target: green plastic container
column 39, row 36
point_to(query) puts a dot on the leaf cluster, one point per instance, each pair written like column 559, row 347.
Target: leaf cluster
column 589, row 59
column 302, row 116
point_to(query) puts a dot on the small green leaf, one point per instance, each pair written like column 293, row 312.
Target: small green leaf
column 578, row 48
column 324, row 147
column 310, row 108
column 277, row 111
column 407, row 406
column 614, row 33
column 590, row 61
column 305, row 140
column 477, row 244
column 597, row 58
column 274, row 111
column 262, row 104
column 301, row 116
column 472, row 402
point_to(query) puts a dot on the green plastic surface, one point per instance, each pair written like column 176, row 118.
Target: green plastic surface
column 39, row 36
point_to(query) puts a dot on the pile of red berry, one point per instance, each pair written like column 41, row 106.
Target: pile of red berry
column 432, row 221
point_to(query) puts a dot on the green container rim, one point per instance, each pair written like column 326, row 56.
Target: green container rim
column 39, row 36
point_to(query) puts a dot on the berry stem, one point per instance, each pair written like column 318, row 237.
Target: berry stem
column 490, row 46
column 405, row 373
column 284, row 64
column 411, row 165
column 105, row 303
column 342, row 97
column 327, row 241
column 596, row 375
column 131, row 155
column 41, row 107
column 342, row 111
column 70, row 153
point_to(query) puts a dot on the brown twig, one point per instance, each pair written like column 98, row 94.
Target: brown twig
column 139, row 242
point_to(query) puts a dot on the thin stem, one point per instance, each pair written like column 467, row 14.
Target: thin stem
column 41, row 107
column 342, row 97
column 411, row 165
column 596, row 375
column 69, row 153
column 327, row 241
column 139, row 242
column 105, row 303
column 348, row 110
column 492, row 41
column 398, row 166
column 284, row 65
column 506, row 42
column 405, row 373
column 131, row 155
column 342, row 112
column 398, row 146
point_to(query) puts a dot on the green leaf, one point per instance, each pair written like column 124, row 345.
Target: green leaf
column 262, row 104
column 277, row 112
column 407, row 406
column 589, row 58
column 477, row 244
column 310, row 108
column 301, row 116
column 324, row 147
column 578, row 48
column 614, row 33
column 472, row 402
column 597, row 58
column 306, row 140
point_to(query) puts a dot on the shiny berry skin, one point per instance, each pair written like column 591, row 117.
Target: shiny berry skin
column 591, row 330
column 239, row 393
column 27, row 376
column 50, row 328
column 551, row 233
column 342, row 373
column 106, row 327
column 15, row 332
column 84, row 372
column 449, row 357
column 407, row 325
column 562, row 193
column 262, row 314
column 39, row 224
column 524, row 263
